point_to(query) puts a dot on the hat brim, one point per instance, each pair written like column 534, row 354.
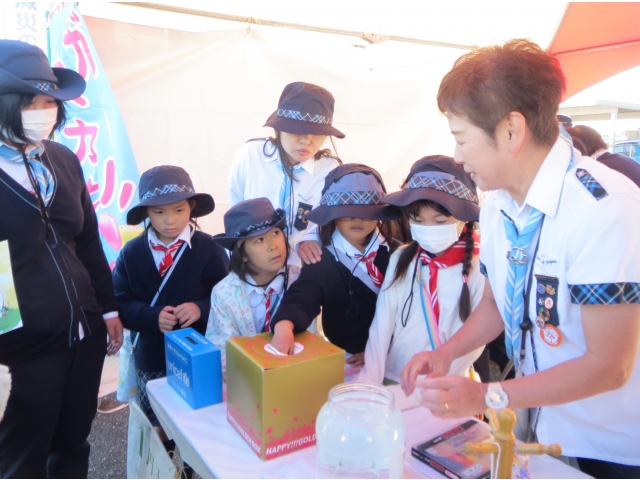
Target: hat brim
column 204, row 205
column 229, row 242
column 460, row 209
column 70, row 85
column 300, row 127
column 324, row 214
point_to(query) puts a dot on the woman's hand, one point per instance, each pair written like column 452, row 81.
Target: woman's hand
column 433, row 363
column 167, row 320
column 310, row 251
column 356, row 360
column 115, row 331
column 187, row 314
column 452, row 396
column 283, row 339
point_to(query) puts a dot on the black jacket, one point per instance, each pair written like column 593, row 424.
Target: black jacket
column 61, row 276
column 136, row 281
column 345, row 318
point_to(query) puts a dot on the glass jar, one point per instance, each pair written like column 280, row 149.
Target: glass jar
column 360, row 433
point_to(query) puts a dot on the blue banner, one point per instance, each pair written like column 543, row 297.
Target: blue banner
column 95, row 130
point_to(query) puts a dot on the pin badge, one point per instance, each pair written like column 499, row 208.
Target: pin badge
column 541, row 288
column 545, row 314
column 548, row 303
column 550, row 290
column 540, row 302
column 551, row 336
column 540, row 321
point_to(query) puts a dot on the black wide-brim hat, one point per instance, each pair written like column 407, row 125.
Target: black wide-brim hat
column 24, row 68
column 304, row 109
column 250, row 218
column 440, row 179
column 164, row 185
column 353, row 190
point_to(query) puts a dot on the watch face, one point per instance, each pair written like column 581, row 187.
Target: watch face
column 496, row 399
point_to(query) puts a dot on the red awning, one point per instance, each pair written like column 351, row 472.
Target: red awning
column 596, row 41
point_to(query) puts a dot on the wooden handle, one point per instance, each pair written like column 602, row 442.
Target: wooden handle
column 554, row 450
column 479, row 448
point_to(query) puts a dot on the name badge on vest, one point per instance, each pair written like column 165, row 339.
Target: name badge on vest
column 547, row 317
column 301, row 222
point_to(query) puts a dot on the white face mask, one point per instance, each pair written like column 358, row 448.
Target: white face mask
column 37, row 124
column 435, row 238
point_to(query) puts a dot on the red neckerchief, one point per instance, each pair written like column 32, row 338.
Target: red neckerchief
column 169, row 252
column 454, row 255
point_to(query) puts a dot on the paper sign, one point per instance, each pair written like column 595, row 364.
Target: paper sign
column 10, row 318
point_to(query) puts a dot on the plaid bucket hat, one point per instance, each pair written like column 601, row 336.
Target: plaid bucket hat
column 304, row 109
column 24, row 68
column 440, row 179
column 164, row 185
column 353, row 190
column 250, row 218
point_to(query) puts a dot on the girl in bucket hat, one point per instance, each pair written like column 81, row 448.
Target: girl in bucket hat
column 243, row 304
column 290, row 167
column 436, row 279
column 64, row 307
column 356, row 231
column 171, row 247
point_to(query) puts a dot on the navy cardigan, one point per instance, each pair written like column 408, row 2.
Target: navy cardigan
column 345, row 318
column 136, row 281
column 61, row 275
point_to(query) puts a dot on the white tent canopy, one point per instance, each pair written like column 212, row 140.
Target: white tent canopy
column 193, row 88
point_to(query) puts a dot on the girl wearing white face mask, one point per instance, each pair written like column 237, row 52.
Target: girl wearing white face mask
column 436, row 279
column 64, row 295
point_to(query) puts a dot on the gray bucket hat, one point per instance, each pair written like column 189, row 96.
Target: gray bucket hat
column 440, row 179
column 24, row 68
column 304, row 109
column 250, row 218
column 353, row 190
column 164, row 185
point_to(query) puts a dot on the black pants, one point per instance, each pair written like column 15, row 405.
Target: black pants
column 51, row 407
column 602, row 469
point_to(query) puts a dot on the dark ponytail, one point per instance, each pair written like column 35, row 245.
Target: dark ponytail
column 464, row 306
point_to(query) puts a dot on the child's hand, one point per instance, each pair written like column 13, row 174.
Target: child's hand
column 310, row 251
column 356, row 360
column 166, row 319
column 283, row 337
column 187, row 313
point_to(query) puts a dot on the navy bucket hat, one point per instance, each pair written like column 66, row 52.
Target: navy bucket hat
column 24, row 68
column 304, row 109
column 164, row 185
column 250, row 218
column 440, row 179
column 353, row 190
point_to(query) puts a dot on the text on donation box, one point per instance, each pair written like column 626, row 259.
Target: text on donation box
column 273, row 399
column 194, row 369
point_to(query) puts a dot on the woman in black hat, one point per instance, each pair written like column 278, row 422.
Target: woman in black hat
column 436, row 279
column 61, row 276
column 356, row 232
column 290, row 167
column 170, row 248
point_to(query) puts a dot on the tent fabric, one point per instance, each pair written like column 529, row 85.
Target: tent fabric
column 595, row 41
column 192, row 99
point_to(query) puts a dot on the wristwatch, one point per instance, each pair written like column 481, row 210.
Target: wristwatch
column 496, row 397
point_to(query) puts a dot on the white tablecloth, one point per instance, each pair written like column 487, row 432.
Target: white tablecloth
column 209, row 444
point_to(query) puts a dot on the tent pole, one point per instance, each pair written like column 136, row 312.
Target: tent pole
column 273, row 23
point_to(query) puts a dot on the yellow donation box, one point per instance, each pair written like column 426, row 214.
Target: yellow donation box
column 273, row 400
